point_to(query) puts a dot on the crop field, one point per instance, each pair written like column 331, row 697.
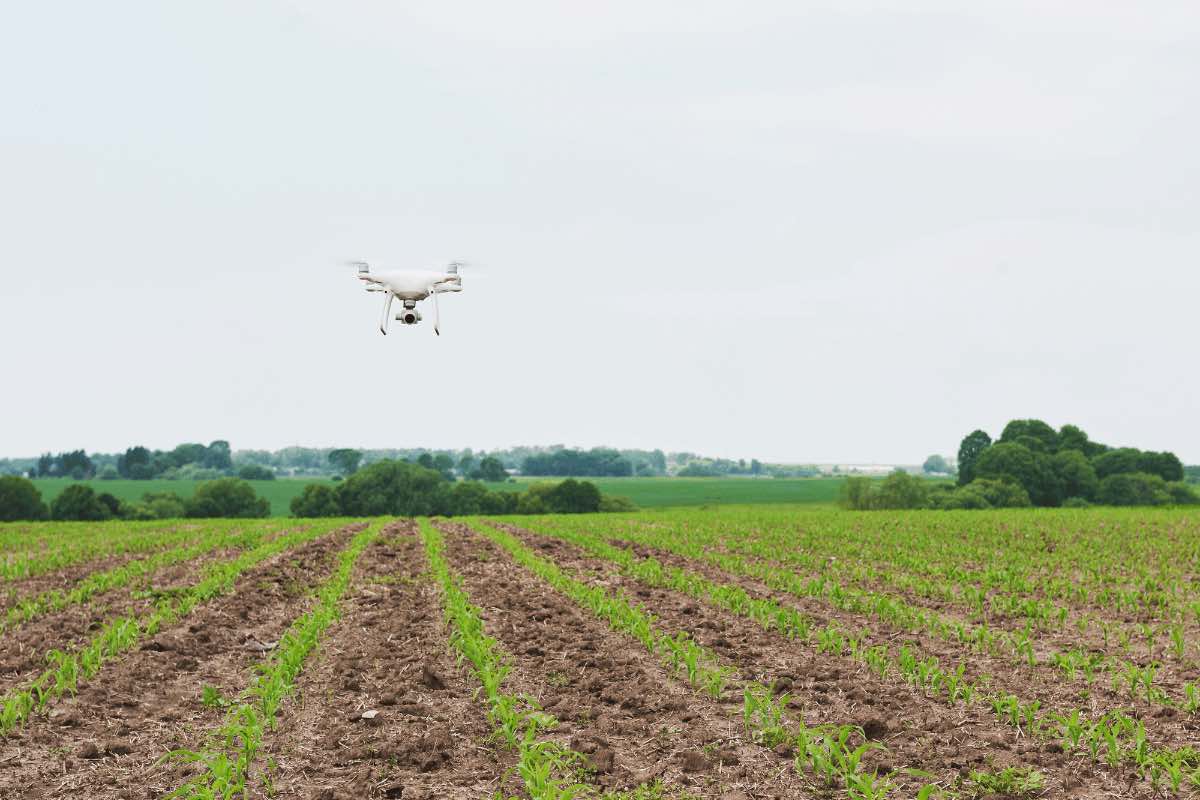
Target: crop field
column 740, row 652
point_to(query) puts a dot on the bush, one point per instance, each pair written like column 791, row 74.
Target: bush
column 574, row 497
column 1076, row 502
column 79, row 502
column 1182, row 494
column 616, row 504
column 111, row 502
column 856, row 494
column 20, row 500
column 1133, row 489
column 901, row 490
column 163, row 505
column 227, row 497
column 316, row 500
column 256, row 472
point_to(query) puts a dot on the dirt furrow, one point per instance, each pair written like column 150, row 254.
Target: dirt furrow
column 389, row 655
column 23, row 648
column 106, row 742
column 614, row 701
column 919, row 732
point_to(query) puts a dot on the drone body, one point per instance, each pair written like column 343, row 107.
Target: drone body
column 410, row 286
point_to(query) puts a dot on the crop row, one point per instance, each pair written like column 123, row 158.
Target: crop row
column 1120, row 738
column 216, row 535
column 1011, row 593
column 104, row 539
column 826, row 752
column 546, row 768
column 121, row 634
column 234, row 746
column 1130, row 562
column 1136, row 680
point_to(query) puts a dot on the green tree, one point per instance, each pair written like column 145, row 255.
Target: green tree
column 110, row 502
column 1032, row 430
column 1165, row 465
column 136, row 464
column 1075, row 474
column 79, row 502
column 164, row 505
column 1182, row 494
column 20, row 500
column 188, row 454
column 466, row 463
column 573, row 497
column 1017, row 463
column 316, row 500
column 901, row 490
column 1115, row 462
column 491, row 470
column 1071, row 437
column 227, row 497
column 393, row 487
column 345, row 460
column 445, row 465
column 856, row 494
column 469, row 497
column 986, row 493
column 256, row 472
column 936, row 464
column 1133, row 489
column 969, row 451
column 219, row 456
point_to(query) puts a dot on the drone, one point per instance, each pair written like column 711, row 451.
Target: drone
column 410, row 286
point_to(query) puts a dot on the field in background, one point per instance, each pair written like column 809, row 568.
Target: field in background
column 646, row 492
column 663, row 492
column 279, row 492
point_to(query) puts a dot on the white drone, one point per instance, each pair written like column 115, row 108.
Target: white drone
column 411, row 286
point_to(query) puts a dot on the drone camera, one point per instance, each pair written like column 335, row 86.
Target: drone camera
column 409, row 317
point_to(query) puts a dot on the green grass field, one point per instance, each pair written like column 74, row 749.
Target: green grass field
column 665, row 492
column 646, row 492
column 278, row 492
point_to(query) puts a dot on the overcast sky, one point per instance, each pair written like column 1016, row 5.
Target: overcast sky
column 794, row 231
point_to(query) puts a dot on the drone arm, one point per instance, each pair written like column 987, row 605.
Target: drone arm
column 387, row 313
column 437, row 314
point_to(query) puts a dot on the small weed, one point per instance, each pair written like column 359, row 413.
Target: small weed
column 1009, row 782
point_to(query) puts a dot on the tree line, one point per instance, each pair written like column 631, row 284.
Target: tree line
column 399, row 488
column 1032, row 464
column 404, row 488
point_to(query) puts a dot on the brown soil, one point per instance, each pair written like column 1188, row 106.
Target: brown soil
column 388, row 654
column 614, row 701
column 919, row 732
column 1044, row 683
column 23, row 648
column 106, row 742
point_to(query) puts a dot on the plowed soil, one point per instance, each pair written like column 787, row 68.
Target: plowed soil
column 23, row 647
column 107, row 741
column 919, row 732
column 427, row 736
column 615, row 702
